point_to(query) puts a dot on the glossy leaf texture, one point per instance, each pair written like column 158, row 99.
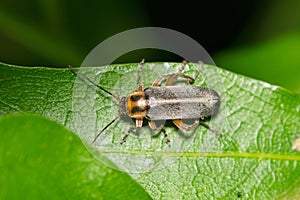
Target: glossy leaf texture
column 40, row 159
column 253, row 159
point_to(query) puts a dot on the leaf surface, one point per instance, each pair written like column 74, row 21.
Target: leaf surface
column 253, row 159
column 40, row 159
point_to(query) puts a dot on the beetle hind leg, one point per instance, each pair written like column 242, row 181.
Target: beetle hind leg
column 210, row 129
column 158, row 81
column 189, row 79
column 182, row 75
column 172, row 78
column 199, row 70
column 186, row 127
column 184, row 62
column 160, row 128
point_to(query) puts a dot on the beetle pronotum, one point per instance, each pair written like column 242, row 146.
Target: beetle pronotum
column 167, row 102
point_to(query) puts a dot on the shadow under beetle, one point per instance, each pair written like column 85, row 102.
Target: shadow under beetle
column 167, row 102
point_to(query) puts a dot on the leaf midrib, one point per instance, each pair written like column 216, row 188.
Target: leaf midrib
column 210, row 154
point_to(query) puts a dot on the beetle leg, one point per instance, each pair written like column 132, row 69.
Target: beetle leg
column 123, row 140
column 139, row 123
column 211, row 129
column 184, row 62
column 167, row 140
column 173, row 77
column 199, row 70
column 158, row 81
column 160, row 128
column 189, row 79
column 153, row 126
column 183, row 126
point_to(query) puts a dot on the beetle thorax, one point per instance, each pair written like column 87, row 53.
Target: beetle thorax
column 137, row 105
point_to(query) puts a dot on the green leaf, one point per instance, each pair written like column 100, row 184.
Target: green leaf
column 40, row 159
column 253, row 159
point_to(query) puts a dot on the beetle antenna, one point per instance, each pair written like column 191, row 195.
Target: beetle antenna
column 139, row 80
column 84, row 77
column 101, row 131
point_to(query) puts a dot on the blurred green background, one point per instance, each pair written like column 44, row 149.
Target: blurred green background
column 257, row 38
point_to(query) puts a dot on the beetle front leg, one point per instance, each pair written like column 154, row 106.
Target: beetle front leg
column 123, row 140
column 160, row 128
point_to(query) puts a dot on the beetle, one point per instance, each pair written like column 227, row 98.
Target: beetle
column 168, row 102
